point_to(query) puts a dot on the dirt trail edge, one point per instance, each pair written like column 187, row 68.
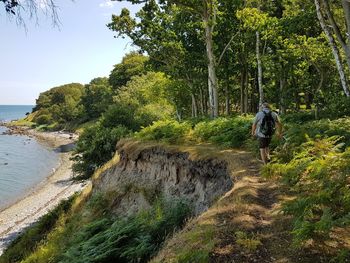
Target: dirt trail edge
column 245, row 225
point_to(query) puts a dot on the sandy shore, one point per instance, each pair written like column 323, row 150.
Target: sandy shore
column 58, row 186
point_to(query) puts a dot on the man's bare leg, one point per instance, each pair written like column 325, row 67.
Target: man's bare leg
column 267, row 153
column 263, row 155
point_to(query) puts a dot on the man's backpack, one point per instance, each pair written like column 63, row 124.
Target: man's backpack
column 267, row 126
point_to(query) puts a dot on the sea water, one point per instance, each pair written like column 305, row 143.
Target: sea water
column 24, row 162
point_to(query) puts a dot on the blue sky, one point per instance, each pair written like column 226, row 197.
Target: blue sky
column 44, row 57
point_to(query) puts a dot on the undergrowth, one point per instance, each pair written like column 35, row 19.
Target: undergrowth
column 93, row 234
column 229, row 132
column 29, row 240
column 314, row 163
column 134, row 239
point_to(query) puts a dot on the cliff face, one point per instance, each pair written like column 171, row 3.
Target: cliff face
column 146, row 172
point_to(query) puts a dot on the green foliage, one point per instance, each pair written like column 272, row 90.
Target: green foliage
column 318, row 175
column 98, row 95
column 336, row 107
column 194, row 256
column 134, row 239
column 231, row 132
column 246, row 241
column 147, row 96
column 43, row 119
column 120, row 114
column 228, row 132
column 296, row 134
column 133, row 64
column 166, row 131
column 298, row 117
column 27, row 242
column 96, row 145
column 342, row 257
column 59, row 104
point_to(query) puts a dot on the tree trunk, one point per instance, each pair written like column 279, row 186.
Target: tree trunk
column 334, row 47
column 246, row 93
column 242, row 90
column 334, row 26
column 212, row 79
column 308, row 100
column 194, row 106
column 346, row 9
column 227, row 99
column 201, row 101
column 319, row 88
column 178, row 114
column 282, row 84
column 258, row 58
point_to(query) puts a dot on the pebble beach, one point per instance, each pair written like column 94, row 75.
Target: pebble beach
column 58, row 186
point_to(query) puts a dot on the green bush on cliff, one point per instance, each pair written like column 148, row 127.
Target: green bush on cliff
column 134, row 239
column 231, row 132
column 84, row 236
column 166, row 131
column 96, row 146
column 43, row 119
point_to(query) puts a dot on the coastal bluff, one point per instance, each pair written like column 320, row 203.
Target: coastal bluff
column 146, row 171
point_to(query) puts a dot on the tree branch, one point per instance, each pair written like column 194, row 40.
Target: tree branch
column 333, row 23
column 226, row 48
column 346, row 8
column 31, row 7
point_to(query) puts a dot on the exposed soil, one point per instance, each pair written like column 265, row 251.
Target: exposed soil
column 247, row 223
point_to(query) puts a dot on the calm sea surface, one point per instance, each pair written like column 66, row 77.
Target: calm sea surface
column 23, row 161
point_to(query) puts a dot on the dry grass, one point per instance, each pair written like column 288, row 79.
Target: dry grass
column 244, row 225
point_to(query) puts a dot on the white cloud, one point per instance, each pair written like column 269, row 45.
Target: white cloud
column 108, row 4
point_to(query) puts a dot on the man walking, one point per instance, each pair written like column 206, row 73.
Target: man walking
column 263, row 128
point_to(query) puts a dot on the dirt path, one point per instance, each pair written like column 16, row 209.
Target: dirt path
column 245, row 226
column 250, row 226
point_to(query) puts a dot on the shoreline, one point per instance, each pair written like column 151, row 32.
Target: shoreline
column 40, row 199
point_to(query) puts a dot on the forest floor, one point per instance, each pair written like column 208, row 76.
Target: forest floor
column 245, row 225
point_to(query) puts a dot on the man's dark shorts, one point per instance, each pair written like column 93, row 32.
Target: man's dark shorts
column 264, row 142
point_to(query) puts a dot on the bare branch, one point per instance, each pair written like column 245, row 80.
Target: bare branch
column 226, row 48
column 17, row 8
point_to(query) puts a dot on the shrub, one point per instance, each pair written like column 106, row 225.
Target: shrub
column 337, row 106
column 318, row 175
column 299, row 117
column 231, row 132
column 297, row 134
column 118, row 114
column 167, row 131
column 134, row 239
column 96, row 145
column 43, row 119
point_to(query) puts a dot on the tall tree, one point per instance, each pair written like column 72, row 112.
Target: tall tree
column 331, row 27
column 258, row 22
column 206, row 12
column 171, row 37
